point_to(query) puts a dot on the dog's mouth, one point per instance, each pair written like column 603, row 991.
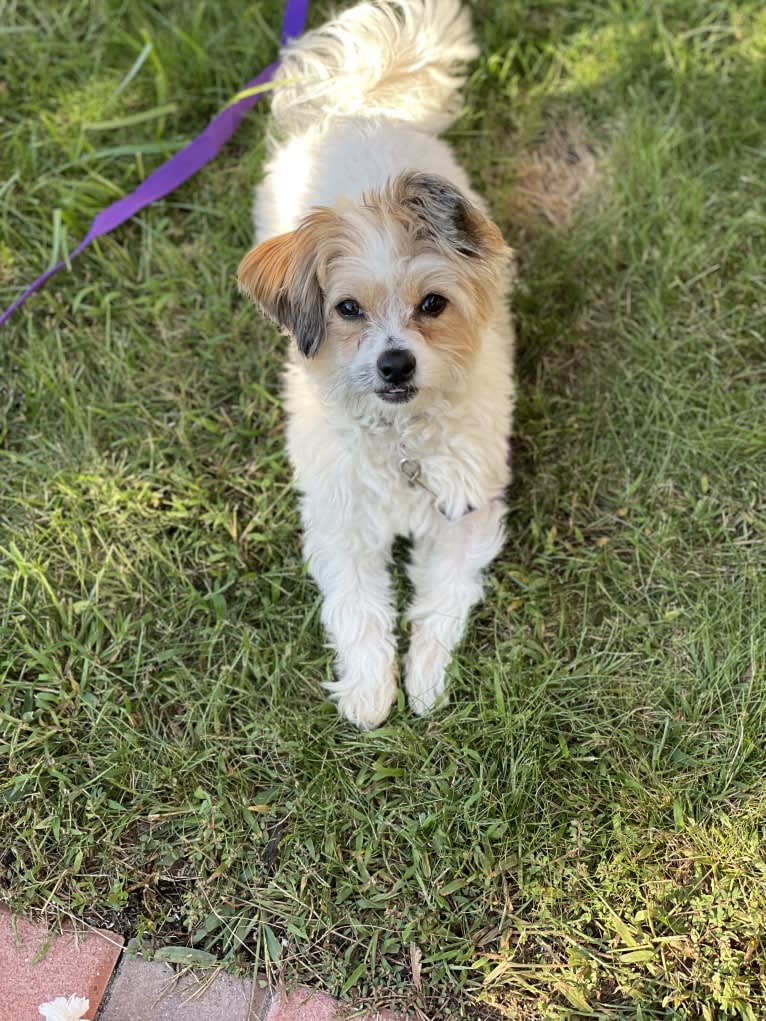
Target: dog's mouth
column 397, row 394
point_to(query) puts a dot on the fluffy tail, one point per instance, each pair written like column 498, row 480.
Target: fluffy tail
column 393, row 58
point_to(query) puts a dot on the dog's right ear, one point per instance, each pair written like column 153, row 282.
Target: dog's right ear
column 281, row 276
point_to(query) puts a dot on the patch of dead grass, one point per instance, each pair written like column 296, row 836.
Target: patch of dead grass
column 554, row 178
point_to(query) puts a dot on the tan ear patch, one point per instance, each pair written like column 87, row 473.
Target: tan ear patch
column 282, row 275
column 267, row 270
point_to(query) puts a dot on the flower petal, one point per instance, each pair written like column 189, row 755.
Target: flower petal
column 65, row 1009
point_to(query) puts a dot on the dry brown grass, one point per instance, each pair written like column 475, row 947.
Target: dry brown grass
column 554, row 178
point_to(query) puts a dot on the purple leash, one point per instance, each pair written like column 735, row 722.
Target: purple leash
column 180, row 167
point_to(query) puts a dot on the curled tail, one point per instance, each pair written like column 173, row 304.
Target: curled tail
column 394, row 58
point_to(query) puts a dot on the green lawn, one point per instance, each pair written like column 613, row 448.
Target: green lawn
column 581, row 833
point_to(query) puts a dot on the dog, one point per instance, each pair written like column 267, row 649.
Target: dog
column 378, row 259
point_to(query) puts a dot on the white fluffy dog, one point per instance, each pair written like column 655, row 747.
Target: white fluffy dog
column 377, row 258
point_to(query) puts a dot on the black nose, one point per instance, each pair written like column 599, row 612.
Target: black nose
column 397, row 365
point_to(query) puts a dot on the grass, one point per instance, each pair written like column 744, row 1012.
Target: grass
column 580, row 834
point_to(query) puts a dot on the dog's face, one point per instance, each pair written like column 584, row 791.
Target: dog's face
column 386, row 296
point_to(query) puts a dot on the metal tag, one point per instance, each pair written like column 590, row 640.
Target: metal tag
column 411, row 471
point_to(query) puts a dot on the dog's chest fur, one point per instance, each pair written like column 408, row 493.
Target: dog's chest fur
column 348, row 461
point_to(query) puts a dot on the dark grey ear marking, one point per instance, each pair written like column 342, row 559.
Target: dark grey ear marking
column 302, row 312
column 309, row 329
column 445, row 212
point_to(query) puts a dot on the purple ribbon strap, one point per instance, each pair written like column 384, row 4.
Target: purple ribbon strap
column 180, row 167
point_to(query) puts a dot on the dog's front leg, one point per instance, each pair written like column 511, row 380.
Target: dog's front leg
column 358, row 614
column 446, row 571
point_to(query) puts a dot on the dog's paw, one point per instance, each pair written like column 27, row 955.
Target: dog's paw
column 362, row 702
column 424, row 678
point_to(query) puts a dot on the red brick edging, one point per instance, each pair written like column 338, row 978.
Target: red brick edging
column 37, row 967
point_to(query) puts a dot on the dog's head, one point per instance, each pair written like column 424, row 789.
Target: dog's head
column 387, row 295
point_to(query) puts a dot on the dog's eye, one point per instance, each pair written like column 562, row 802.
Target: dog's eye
column 349, row 309
column 432, row 305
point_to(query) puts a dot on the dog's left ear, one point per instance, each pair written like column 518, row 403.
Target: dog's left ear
column 281, row 275
column 448, row 216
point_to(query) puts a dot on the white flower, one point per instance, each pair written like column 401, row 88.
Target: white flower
column 63, row 1009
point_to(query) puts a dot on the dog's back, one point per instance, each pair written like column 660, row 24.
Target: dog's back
column 364, row 97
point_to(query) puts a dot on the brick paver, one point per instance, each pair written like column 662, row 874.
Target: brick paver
column 150, row 991
column 36, row 967
column 307, row 1005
